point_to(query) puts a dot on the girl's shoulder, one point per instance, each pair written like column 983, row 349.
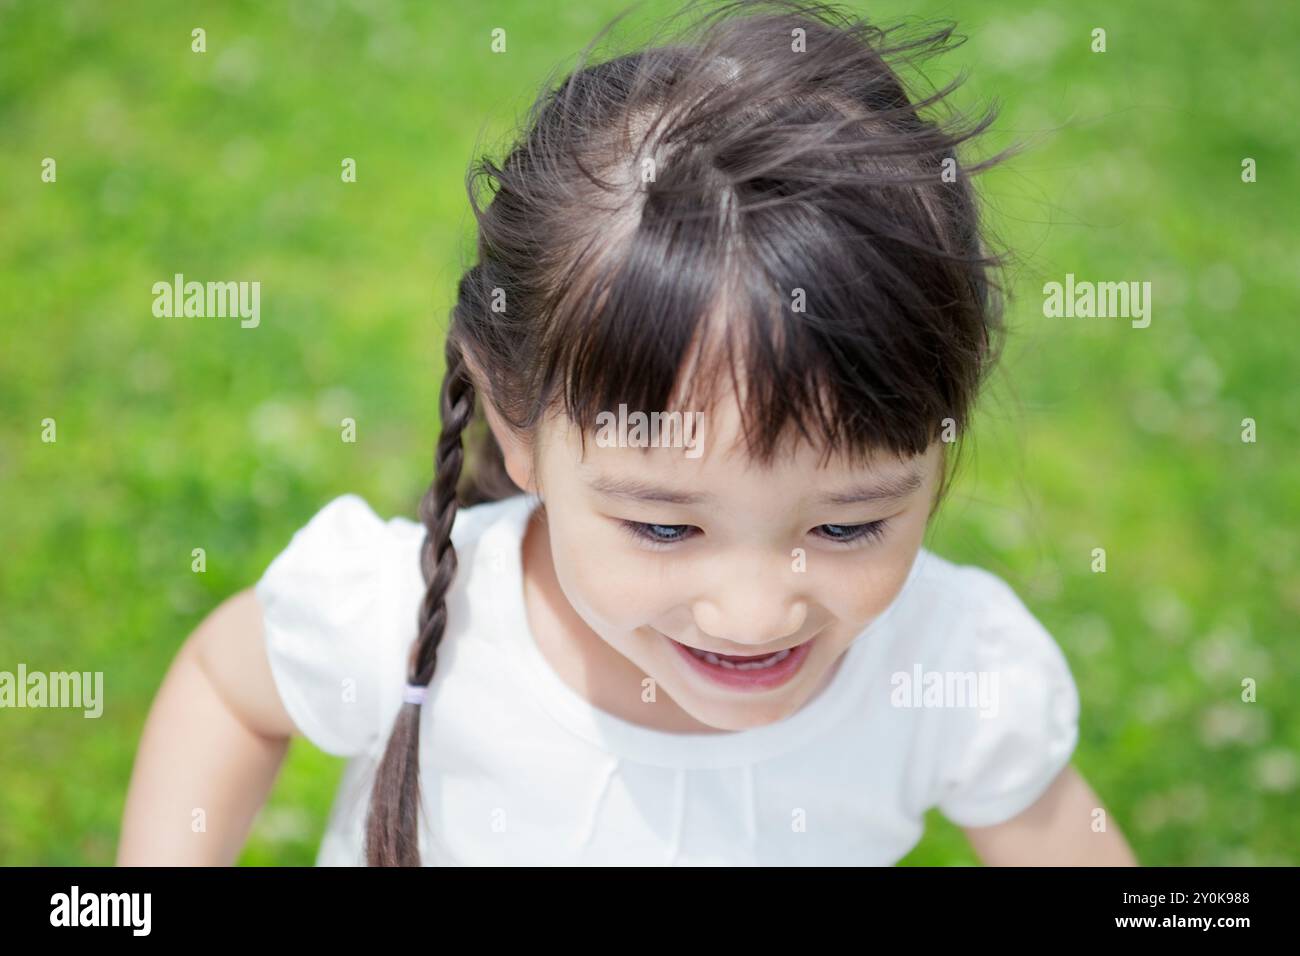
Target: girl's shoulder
column 993, row 692
column 965, row 612
column 348, row 541
column 340, row 606
column 348, row 522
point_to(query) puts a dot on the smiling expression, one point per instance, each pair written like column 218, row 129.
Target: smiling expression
column 735, row 588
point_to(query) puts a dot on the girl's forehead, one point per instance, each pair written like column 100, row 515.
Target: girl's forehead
column 694, row 442
column 717, row 418
column 739, row 484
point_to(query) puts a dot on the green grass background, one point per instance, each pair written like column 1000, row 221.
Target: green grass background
column 176, row 434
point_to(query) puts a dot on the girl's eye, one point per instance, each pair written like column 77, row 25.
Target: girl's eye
column 849, row 533
column 664, row 534
column 657, row 533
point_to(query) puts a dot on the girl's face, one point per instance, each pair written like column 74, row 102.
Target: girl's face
column 659, row 552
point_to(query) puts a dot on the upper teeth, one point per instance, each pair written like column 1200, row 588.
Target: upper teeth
column 757, row 665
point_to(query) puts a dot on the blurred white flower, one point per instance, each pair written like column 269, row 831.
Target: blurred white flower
column 1232, row 723
column 1165, row 613
column 1276, row 771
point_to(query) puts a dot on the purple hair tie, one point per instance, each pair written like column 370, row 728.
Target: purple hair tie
column 414, row 694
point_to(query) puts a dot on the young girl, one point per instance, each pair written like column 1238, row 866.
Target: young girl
column 730, row 307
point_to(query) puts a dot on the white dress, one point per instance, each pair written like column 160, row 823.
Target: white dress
column 518, row 768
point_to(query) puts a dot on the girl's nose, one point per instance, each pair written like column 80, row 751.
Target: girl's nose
column 750, row 613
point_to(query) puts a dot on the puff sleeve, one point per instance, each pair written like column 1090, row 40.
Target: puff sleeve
column 997, row 760
column 338, row 624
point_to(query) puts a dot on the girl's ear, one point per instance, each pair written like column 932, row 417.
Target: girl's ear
column 516, row 449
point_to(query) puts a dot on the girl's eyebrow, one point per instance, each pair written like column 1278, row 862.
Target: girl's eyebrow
column 891, row 487
column 643, row 491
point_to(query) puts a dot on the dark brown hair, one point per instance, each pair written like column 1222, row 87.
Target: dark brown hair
column 674, row 206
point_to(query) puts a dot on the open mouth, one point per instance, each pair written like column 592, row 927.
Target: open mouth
column 740, row 662
column 745, row 671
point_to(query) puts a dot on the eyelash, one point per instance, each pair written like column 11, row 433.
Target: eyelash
column 859, row 533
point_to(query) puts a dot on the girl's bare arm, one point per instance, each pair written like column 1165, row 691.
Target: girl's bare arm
column 1060, row 829
column 211, row 748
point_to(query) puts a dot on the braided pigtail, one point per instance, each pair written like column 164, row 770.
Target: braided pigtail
column 392, row 827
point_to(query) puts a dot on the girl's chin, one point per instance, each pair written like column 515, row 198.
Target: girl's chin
column 732, row 716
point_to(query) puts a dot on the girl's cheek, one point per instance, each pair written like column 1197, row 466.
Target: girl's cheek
column 880, row 589
column 886, row 572
column 600, row 581
column 868, row 588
